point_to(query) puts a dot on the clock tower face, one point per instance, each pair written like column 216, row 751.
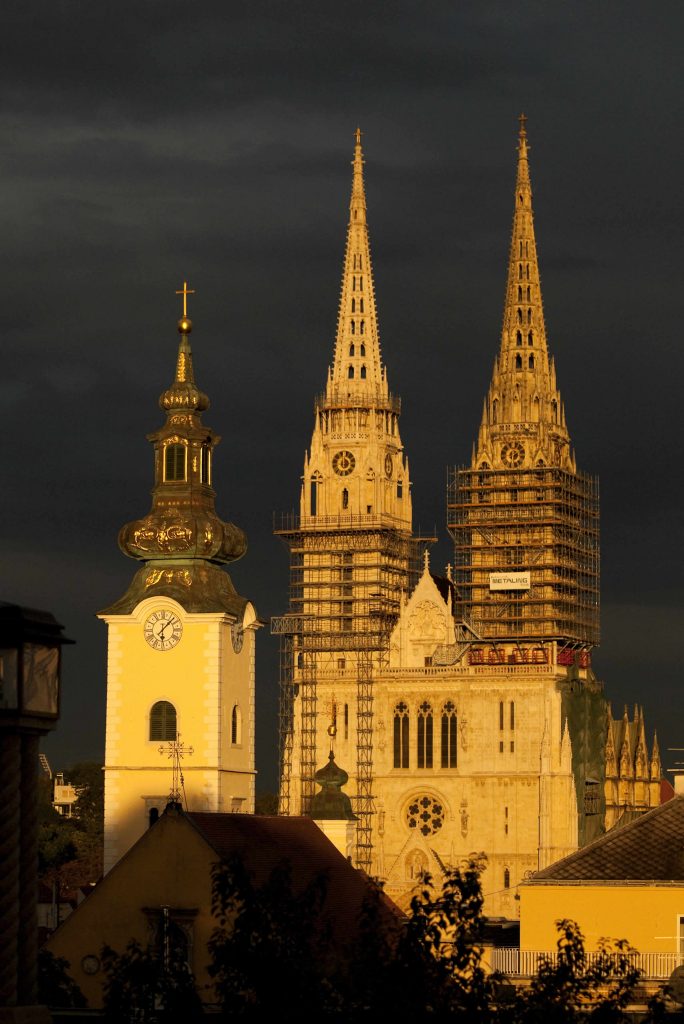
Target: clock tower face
column 163, row 629
column 343, row 463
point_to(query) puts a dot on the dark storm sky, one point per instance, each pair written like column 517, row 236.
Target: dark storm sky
column 145, row 143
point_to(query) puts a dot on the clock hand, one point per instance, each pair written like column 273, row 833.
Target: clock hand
column 161, row 631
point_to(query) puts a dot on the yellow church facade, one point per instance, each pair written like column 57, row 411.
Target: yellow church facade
column 181, row 641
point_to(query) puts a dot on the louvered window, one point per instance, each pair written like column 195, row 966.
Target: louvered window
column 174, row 462
column 163, row 721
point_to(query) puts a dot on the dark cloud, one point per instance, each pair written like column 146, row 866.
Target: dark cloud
column 148, row 143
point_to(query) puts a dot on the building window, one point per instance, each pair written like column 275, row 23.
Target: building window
column 592, row 797
column 426, row 814
column 174, row 462
column 362, row 327
column 531, row 362
column 401, row 735
column 363, row 372
column 518, row 338
column 345, row 498
column 449, row 734
column 362, row 349
column 507, row 878
column 351, row 349
column 346, row 721
column 425, row 731
column 350, row 373
column 236, row 726
column 518, row 362
column 163, row 721
column 205, row 464
column 400, row 489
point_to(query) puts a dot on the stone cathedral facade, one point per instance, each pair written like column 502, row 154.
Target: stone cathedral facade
column 464, row 707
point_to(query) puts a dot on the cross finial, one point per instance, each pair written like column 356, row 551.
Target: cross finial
column 185, row 291
column 175, row 750
column 523, row 121
column 358, row 136
column 426, row 560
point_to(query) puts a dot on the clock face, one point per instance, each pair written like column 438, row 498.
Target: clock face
column 163, row 629
column 512, row 454
column 237, row 635
column 343, row 463
column 90, row 964
column 388, row 464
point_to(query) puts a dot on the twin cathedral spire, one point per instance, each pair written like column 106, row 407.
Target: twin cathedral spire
column 523, row 389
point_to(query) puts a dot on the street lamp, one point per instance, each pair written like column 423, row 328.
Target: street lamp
column 30, row 661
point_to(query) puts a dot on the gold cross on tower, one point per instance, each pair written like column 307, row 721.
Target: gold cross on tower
column 185, row 291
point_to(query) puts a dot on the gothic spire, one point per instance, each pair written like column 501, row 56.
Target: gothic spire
column 357, row 366
column 523, row 389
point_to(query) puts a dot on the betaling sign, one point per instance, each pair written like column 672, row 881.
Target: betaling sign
column 509, row 580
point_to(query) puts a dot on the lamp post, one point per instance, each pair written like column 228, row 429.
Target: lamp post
column 30, row 661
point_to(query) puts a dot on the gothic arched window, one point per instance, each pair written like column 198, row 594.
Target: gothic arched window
column 518, row 338
column 530, row 338
column 362, row 327
column 518, row 362
column 345, row 498
column 531, row 362
column 362, row 349
column 401, row 735
column 351, row 349
column 163, row 721
column 363, row 373
column 507, row 879
column 449, row 735
column 174, row 462
column 425, row 731
column 353, row 326
column 236, row 725
column 350, row 373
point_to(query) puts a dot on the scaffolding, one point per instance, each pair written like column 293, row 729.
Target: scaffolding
column 347, row 577
column 527, row 553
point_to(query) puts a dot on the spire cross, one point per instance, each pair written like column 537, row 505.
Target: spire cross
column 175, row 751
column 358, row 136
column 523, row 122
column 185, row 291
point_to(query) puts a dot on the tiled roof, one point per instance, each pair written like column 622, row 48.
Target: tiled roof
column 263, row 843
column 648, row 849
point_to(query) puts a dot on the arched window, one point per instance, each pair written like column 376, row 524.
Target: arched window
column 236, row 725
column 163, row 721
column 360, row 305
column 531, row 362
column 400, row 488
column 350, row 373
column 449, row 734
column 345, row 498
column 425, row 731
column 507, row 879
column 519, row 294
column 520, row 271
column 518, row 338
column 520, row 316
column 316, row 480
column 530, row 338
column 351, row 349
column 401, row 735
column 353, row 326
column 174, row 462
column 529, row 316
column 362, row 349
column 363, row 373
column 518, row 362
column 353, row 305
column 362, row 327
column 528, row 293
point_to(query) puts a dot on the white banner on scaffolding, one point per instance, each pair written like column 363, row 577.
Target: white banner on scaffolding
column 509, row 581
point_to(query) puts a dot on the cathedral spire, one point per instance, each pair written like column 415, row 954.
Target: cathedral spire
column 523, row 389
column 357, row 365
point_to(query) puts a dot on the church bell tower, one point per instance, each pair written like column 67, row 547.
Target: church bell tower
column 350, row 548
column 524, row 519
column 180, row 676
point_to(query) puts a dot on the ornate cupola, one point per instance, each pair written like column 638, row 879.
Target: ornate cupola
column 182, row 540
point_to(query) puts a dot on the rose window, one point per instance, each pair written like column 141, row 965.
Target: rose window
column 425, row 814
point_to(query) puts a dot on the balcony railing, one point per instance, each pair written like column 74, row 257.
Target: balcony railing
column 526, row 962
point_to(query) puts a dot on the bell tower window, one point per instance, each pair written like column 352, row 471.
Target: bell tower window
column 175, row 462
column 163, row 721
column 205, row 464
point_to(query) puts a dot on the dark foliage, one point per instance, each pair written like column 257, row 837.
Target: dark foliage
column 139, row 986
column 55, row 987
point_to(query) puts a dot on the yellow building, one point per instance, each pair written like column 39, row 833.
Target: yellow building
column 180, row 671
column 464, row 707
column 160, row 893
column 629, row 884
